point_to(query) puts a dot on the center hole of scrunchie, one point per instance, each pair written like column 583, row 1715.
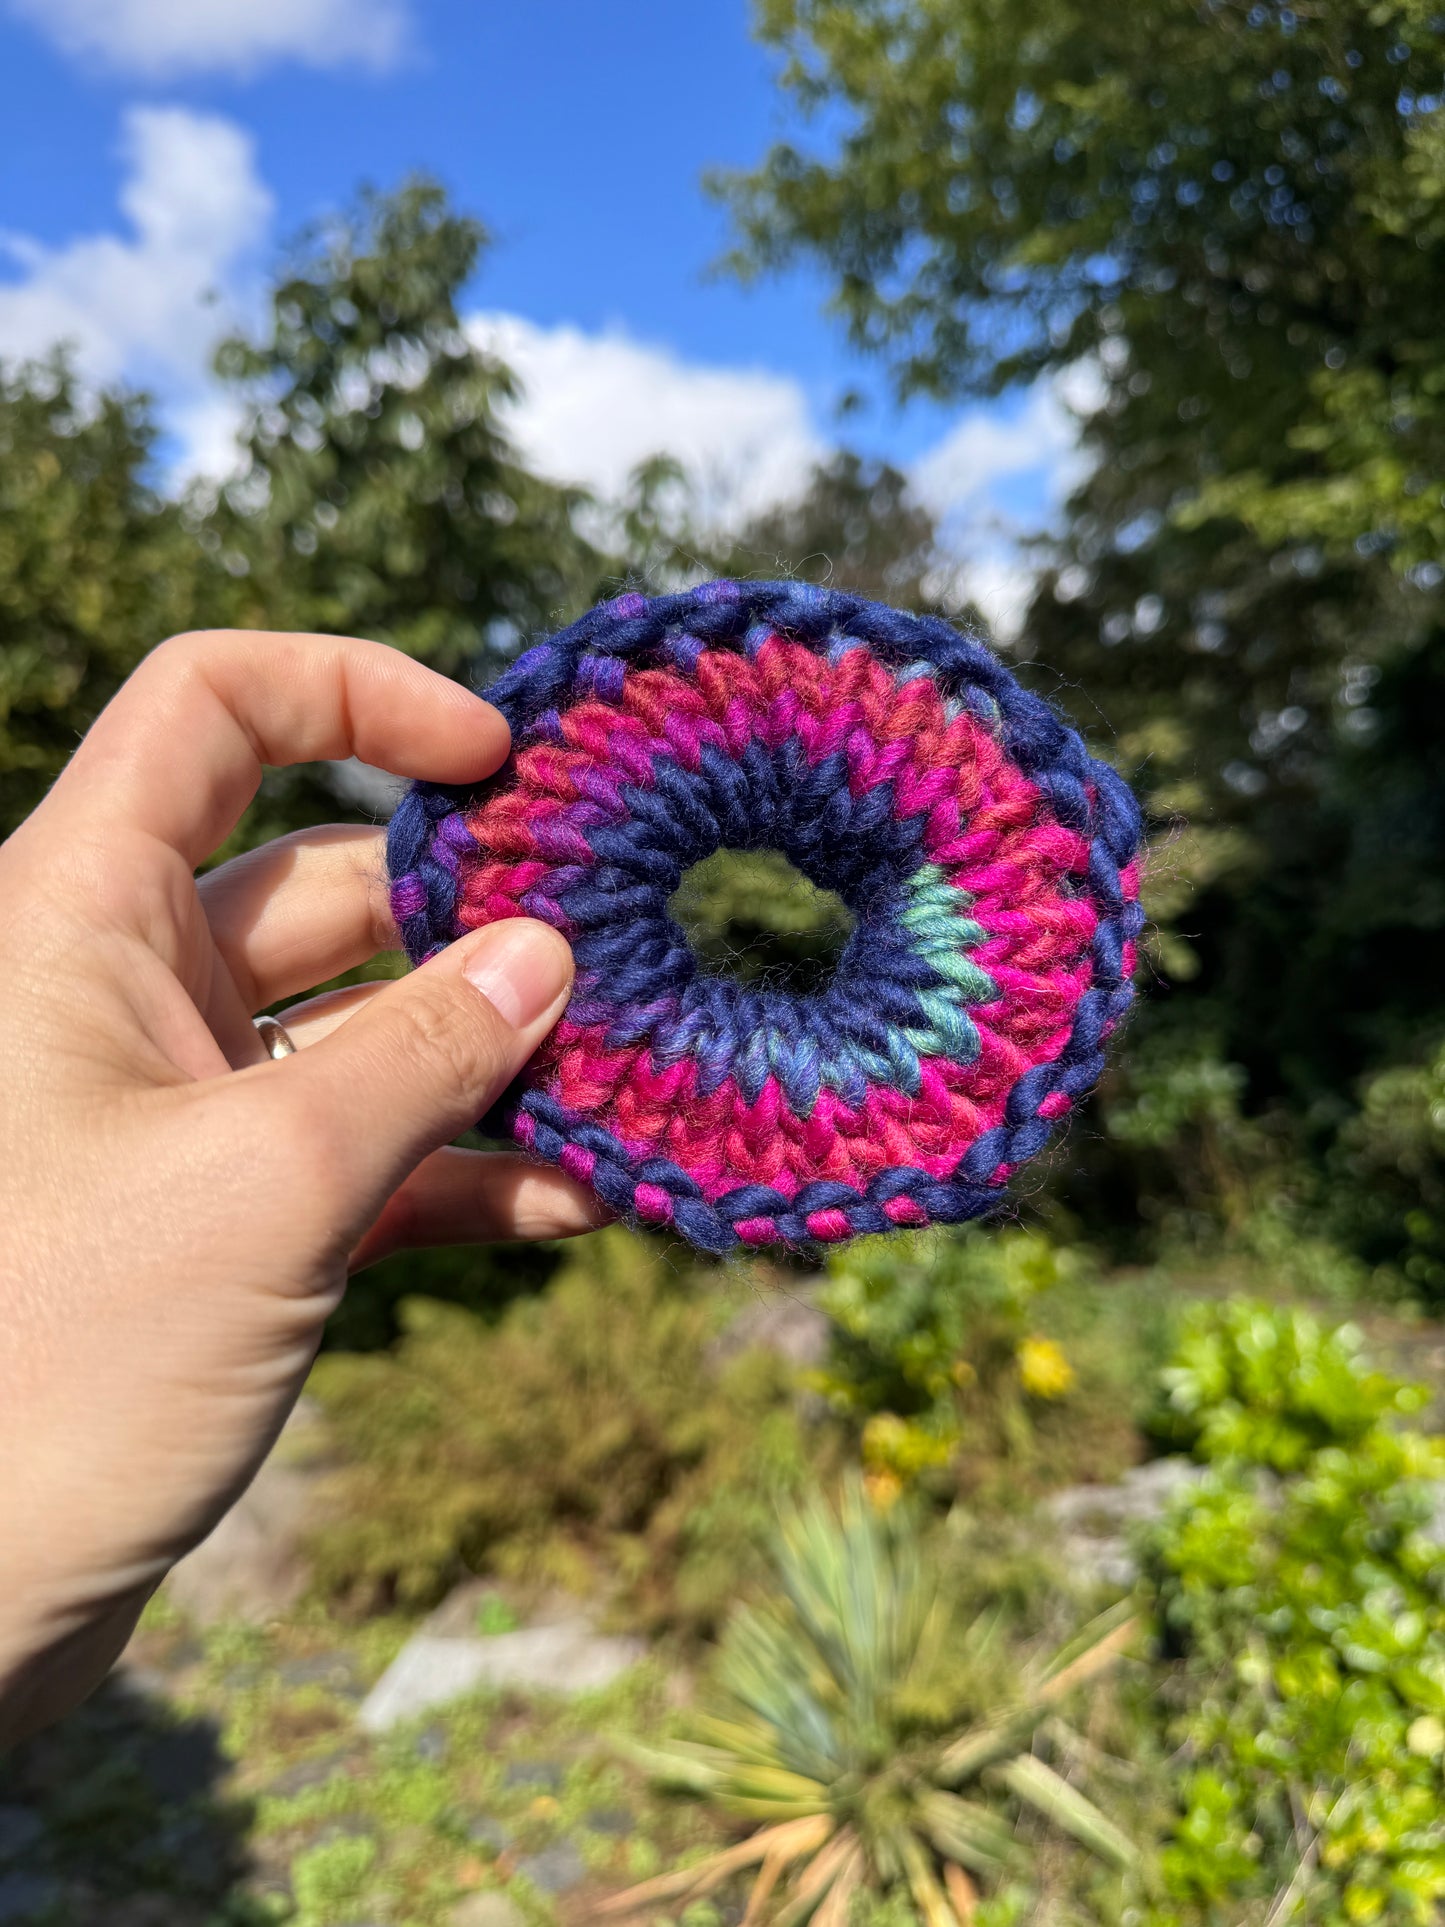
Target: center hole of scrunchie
column 752, row 917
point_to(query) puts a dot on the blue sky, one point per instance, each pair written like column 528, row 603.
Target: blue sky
column 154, row 154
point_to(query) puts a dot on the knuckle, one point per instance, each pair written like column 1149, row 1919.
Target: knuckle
column 181, row 652
column 452, row 1043
column 178, row 664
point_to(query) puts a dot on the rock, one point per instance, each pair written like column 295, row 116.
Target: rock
column 555, row 1868
column 20, row 1829
column 159, row 1670
column 467, row 1605
column 240, row 1679
column 363, row 786
column 1096, row 1522
column 433, row 1669
column 186, row 1843
column 432, row 1744
column 1139, row 1497
column 495, row 1835
column 779, row 1321
column 147, row 1682
column 539, row 1773
column 251, row 1567
column 456, row 1617
column 487, row 1910
column 305, row 1774
column 614, row 1820
column 27, row 1897
column 338, row 1672
column 270, row 1887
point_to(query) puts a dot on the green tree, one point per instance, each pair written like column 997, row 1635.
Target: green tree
column 380, row 496
column 1223, row 210
column 1202, row 196
column 856, row 526
column 1228, row 213
column 95, row 567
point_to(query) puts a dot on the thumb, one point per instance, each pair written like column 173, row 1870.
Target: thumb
column 424, row 1059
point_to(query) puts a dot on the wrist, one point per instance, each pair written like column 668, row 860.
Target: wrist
column 53, row 1657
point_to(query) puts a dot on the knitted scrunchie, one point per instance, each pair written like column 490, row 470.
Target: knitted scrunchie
column 988, row 862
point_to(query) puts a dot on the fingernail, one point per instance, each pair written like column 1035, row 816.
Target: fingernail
column 521, row 967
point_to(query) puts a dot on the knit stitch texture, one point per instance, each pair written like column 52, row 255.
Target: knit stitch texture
column 989, row 863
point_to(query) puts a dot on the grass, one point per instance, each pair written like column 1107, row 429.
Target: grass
column 302, row 1818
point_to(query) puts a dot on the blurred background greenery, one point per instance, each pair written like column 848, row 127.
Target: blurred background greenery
column 1223, row 225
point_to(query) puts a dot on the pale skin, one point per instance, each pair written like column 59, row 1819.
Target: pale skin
column 179, row 1213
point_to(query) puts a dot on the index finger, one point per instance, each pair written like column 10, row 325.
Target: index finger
column 178, row 753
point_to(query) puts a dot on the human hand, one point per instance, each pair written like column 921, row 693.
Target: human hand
column 178, row 1213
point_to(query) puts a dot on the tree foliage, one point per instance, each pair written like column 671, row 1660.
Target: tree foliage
column 856, row 526
column 380, row 496
column 1225, row 215
column 377, row 495
column 95, row 566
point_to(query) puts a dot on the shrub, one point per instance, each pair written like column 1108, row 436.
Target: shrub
column 589, row 1439
column 1388, row 1176
column 1271, row 1386
column 887, row 1745
column 1310, row 1613
column 937, row 1359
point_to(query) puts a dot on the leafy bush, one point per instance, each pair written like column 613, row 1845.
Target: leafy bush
column 886, row 1744
column 589, row 1438
column 1270, row 1386
column 1388, row 1172
column 937, row 1360
column 1310, row 1613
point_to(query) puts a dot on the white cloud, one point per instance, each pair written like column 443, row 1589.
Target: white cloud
column 999, row 475
column 1033, row 448
column 595, row 406
column 149, row 306
column 203, row 430
column 160, row 38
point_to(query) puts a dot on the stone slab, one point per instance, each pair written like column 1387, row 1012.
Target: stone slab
column 433, row 1669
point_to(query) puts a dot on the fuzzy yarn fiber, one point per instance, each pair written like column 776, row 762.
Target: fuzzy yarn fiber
column 988, row 861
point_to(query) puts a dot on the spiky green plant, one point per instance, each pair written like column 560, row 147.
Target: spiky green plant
column 879, row 1739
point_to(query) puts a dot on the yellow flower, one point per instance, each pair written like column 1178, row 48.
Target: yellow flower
column 884, row 1489
column 1044, row 1371
column 902, row 1447
column 884, row 1441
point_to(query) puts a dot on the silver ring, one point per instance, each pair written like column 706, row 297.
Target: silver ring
column 274, row 1035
